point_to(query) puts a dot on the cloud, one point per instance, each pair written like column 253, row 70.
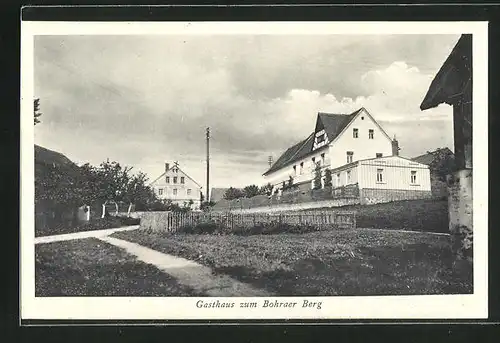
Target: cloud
column 144, row 100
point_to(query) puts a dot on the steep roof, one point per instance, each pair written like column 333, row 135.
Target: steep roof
column 454, row 78
column 217, row 194
column 333, row 125
column 429, row 157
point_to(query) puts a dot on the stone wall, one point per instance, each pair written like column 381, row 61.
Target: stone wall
column 370, row 196
column 460, row 213
column 299, row 206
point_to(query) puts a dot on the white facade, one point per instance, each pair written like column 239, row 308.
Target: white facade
column 301, row 170
column 175, row 185
column 361, row 139
column 389, row 173
column 363, row 146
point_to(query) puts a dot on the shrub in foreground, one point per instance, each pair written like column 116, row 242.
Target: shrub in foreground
column 214, row 228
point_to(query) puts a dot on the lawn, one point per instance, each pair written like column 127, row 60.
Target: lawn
column 94, row 224
column 335, row 262
column 90, row 267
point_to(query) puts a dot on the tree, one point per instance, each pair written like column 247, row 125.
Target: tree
column 266, row 189
column 443, row 164
column 328, row 178
column 317, row 177
column 251, row 191
column 233, row 193
column 205, row 206
column 112, row 182
column 36, row 111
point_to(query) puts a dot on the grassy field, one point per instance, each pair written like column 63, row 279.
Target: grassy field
column 337, row 262
column 94, row 224
column 430, row 215
column 90, row 267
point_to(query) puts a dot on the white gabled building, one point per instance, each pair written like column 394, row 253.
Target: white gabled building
column 360, row 155
column 175, row 185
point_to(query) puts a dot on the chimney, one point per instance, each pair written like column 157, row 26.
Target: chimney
column 395, row 147
column 167, row 166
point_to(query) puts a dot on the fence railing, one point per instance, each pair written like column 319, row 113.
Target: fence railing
column 173, row 221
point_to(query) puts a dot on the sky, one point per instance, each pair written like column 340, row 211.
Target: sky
column 146, row 100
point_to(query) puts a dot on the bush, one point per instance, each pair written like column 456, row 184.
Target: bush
column 210, row 227
column 271, row 228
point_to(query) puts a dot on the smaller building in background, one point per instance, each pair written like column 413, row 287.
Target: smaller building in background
column 379, row 180
column 175, row 185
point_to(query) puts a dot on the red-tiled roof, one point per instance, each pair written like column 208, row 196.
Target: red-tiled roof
column 333, row 125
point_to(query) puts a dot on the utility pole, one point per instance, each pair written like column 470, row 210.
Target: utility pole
column 207, row 192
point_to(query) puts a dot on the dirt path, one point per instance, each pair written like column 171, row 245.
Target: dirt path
column 83, row 234
column 188, row 272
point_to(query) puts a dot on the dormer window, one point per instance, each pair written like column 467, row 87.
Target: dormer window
column 355, row 133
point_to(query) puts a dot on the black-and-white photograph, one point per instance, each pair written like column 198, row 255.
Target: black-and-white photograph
column 283, row 168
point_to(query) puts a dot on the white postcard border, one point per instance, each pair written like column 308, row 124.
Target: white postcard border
column 473, row 306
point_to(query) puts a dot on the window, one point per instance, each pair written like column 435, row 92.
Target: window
column 175, row 179
column 301, row 167
column 413, row 177
column 294, row 170
column 380, row 177
column 349, row 154
column 314, row 159
column 338, row 179
column 182, row 179
column 189, row 191
column 323, row 158
column 320, row 138
column 370, row 134
column 378, row 154
column 160, row 191
column 167, row 179
column 355, row 133
column 348, row 176
column 175, row 191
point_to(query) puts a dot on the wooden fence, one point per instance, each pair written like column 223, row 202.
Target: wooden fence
column 172, row 221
